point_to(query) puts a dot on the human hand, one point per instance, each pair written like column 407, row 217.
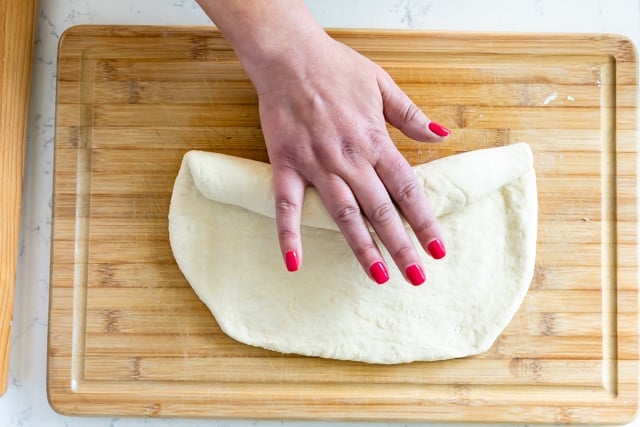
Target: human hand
column 323, row 108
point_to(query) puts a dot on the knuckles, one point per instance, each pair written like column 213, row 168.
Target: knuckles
column 425, row 227
column 287, row 235
column 286, row 206
column 407, row 192
column 362, row 250
column 382, row 214
column 346, row 214
column 353, row 152
column 411, row 113
column 403, row 252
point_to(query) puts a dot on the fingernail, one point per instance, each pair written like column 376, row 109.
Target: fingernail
column 415, row 274
column 379, row 272
column 436, row 249
column 291, row 260
column 438, row 129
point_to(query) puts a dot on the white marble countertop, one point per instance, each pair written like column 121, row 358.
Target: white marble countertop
column 25, row 403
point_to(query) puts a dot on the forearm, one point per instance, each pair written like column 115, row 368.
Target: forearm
column 262, row 31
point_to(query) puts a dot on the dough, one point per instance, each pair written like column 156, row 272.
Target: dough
column 223, row 237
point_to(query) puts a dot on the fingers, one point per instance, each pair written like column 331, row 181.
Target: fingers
column 289, row 187
column 402, row 113
column 381, row 213
column 412, row 201
column 345, row 210
column 364, row 192
column 395, row 172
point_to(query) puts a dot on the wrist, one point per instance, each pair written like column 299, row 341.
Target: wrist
column 266, row 35
column 290, row 60
column 269, row 43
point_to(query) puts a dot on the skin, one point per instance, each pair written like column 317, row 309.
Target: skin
column 323, row 110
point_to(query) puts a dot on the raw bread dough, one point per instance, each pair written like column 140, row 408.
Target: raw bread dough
column 223, row 237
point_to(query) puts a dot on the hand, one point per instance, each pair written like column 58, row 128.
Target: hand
column 323, row 108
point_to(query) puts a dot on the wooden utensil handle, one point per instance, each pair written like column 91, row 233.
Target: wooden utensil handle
column 17, row 20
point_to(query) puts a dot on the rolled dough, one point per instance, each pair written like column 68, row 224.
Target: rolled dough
column 223, row 237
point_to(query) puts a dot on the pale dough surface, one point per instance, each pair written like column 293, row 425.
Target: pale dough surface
column 223, row 237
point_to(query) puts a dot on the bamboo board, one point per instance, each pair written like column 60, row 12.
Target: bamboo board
column 127, row 335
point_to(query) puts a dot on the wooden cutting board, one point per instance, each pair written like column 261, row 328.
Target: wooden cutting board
column 128, row 336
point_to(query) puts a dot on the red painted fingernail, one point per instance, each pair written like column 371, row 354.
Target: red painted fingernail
column 379, row 272
column 415, row 274
column 438, row 129
column 436, row 249
column 291, row 260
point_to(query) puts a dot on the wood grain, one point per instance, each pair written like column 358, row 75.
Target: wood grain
column 128, row 336
column 17, row 26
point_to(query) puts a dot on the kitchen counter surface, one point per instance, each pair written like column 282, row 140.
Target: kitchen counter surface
column 25, row 403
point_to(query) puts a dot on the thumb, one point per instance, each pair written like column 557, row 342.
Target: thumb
column 402, row 113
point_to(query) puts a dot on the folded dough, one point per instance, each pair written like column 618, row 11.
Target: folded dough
column 223, row 237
